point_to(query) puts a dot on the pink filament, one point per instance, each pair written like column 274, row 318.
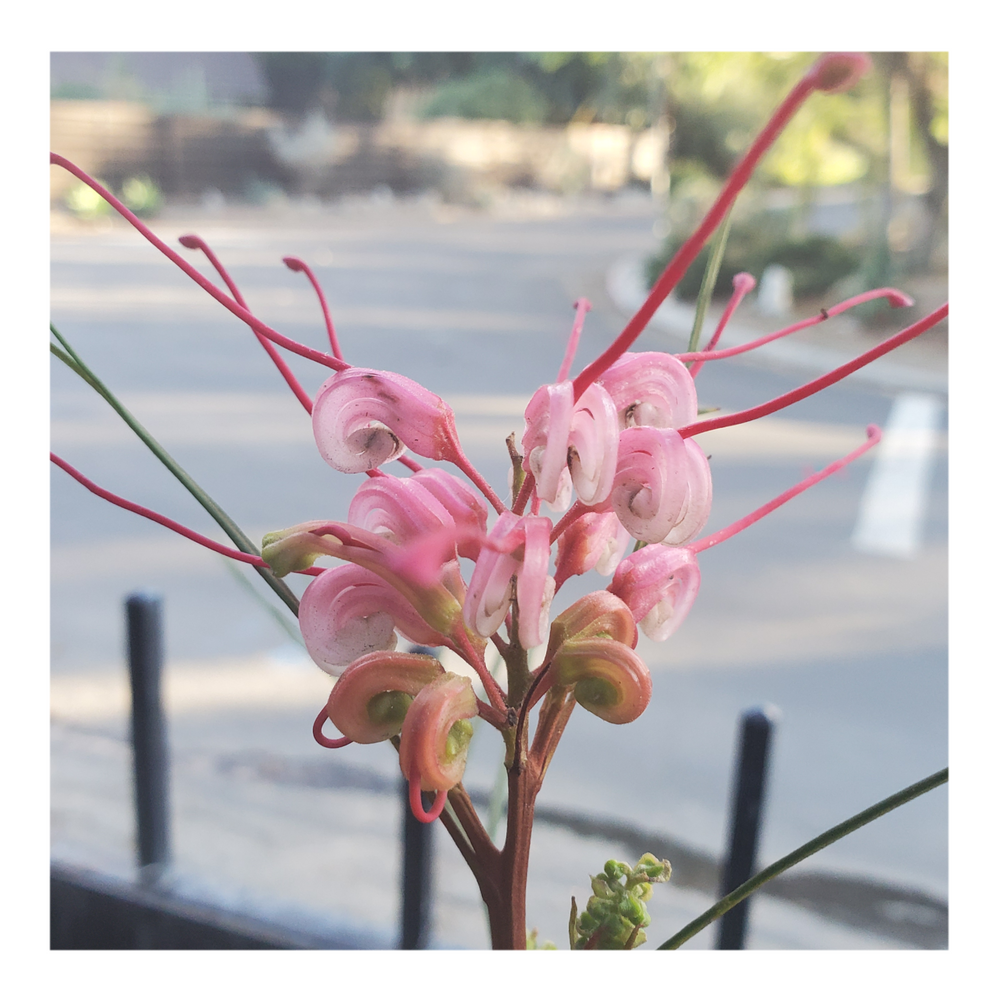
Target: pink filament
column 234, row 307
column 418, row 806
column 325, row 741
column 684, row 257
column 582, row 307
column 810, row 388
column 297, row 264
column 896, row 300
column 874, row 436
column 158, row 518
column 742, row 284
column 193, row 242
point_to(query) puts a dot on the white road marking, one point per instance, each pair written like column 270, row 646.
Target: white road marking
column 891, row 518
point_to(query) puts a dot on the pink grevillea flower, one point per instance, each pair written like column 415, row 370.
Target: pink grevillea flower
column 593, row 541
column 651, row 389
column 662, row 488
column 364, row 418
column 517, row 547
column 434, row 741
column 580, row 436
column 370, row 699
column 658, row 584
column 608, row 678
column 348, row 612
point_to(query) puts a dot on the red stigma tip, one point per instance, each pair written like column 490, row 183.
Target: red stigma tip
column 874, row 432
column 293, row 263
column 839, row 71
column 899, row 300
column 744, row 283
column 190, row 241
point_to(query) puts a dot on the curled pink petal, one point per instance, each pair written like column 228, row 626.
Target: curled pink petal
column 373, row 695
column 434, row 741
column 697, row 500
column 462, row 503
column 535, row 588
column 348, row 611
column 363, row 418
column 398, row 509
column 545, row 442
column 593, row 445
column 659, row 585
column 491, row 587
column 651, row 482
column 651, row 389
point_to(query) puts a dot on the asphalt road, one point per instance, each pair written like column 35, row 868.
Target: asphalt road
column 849, row 645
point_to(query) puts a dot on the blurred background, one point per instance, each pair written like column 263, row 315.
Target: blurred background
column 454, row 205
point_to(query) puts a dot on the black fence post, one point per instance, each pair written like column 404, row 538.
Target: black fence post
column 747, row 802
column 417, row 854
column 143, row 614
column 416, row 877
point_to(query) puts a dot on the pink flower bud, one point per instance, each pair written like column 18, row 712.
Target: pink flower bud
column 434, row 742
column 592, row 541
column 651, row 389
column 348, row 611
column 659, row 585
column 581, row 436
column 463, row 504
column 373, row 695
column 398, row 509
column 363, row 418
column 651, row 482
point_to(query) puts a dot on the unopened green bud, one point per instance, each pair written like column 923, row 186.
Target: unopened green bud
column 601, row 888
column 615, row 869
column 634, row 910
column 588, row 922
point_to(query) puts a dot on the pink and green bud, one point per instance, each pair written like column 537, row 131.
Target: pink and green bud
column 349, row 611
column 607, row 677
column 363, row 418
column 659, row 585
column 434, row 742
column 371, row 698
column 297, row 548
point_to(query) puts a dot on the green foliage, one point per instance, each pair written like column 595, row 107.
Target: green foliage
column 494, row 93
column 817, row 263
column 616, row 913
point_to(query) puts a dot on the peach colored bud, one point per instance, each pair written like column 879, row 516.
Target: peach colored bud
column 608, row 678
column 434, row 741
column 372, row 696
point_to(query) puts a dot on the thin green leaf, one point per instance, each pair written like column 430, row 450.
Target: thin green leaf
column 72, row 360
column 709, row 280
column 817, row 844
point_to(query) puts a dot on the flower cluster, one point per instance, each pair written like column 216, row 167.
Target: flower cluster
column 422, row 556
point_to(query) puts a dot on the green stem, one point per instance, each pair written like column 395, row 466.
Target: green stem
column 817, row 844
column 71, row 359
column 710, row 278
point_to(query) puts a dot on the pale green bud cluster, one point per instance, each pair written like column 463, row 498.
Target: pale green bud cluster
column 616, row 913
